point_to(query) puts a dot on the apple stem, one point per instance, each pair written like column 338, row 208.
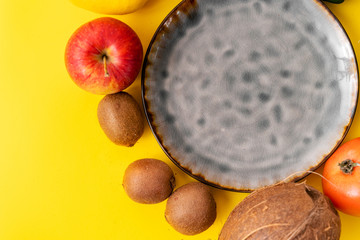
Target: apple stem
column 105, row 66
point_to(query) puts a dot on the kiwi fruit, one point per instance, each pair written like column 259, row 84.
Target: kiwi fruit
column 148, row 181
column 191, row 209
column 121, row 118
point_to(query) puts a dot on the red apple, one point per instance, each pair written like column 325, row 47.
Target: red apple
column 104, row 56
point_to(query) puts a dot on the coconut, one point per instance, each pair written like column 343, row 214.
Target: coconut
column 284, row 211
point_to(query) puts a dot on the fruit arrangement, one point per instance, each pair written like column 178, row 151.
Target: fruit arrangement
column 104, row 56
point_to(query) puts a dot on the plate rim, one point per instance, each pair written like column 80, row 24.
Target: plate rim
column 201, row 178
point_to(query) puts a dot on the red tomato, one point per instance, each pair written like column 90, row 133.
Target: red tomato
column 342, row 178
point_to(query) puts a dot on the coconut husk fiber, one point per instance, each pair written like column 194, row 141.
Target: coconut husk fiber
column 285, row 211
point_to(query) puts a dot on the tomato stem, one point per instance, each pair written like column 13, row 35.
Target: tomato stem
column 347, row 166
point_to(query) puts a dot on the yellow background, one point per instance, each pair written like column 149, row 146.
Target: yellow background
column 60, row 177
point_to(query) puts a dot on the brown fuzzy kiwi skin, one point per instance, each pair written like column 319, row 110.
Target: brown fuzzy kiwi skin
column 191, row 209
column 121, row 118
column 286, row 211
column 148, row 181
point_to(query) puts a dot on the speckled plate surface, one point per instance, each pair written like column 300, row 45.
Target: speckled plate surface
column 242, row 94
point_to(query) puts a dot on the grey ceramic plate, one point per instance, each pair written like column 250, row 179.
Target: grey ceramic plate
column 242, row 94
